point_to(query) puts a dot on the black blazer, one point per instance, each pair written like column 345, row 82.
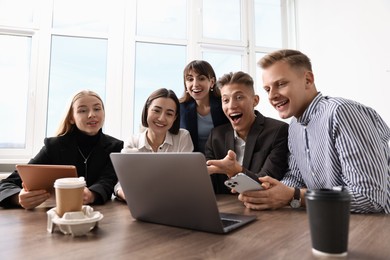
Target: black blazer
column 189, row 119
column 266, row 149
column 63, row 150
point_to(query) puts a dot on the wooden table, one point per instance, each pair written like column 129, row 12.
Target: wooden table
column 281, row 234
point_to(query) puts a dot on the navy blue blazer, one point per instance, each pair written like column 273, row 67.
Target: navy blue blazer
column 266, row 150
column 189, row 119
column 63, row 150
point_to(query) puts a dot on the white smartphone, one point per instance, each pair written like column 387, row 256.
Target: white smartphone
column 241, row 183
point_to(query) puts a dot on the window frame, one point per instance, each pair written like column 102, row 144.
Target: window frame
column 120, row 71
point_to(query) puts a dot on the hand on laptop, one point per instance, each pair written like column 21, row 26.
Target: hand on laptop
column 227, row 165
column 31, row 199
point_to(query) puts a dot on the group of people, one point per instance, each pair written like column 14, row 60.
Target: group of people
column 329, row 143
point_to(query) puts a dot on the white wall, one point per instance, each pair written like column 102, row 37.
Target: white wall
column 348, row 42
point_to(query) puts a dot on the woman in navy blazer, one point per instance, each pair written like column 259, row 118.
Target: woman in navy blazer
column 80, row 142
column 200, row 106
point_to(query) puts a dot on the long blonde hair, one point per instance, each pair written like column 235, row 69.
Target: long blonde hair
column 66, row 126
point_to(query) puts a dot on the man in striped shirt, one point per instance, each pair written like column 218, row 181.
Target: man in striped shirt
column 333, row 142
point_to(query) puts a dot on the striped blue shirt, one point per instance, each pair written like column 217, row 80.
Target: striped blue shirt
column 339, row 142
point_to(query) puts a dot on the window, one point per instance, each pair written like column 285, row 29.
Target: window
column 83, row 16
column 222, row 20
column 12, row 14
column 268, row 12
column 15, row 53
column 224, row 62
column 123, row 50
column 157, row 66
column 75, row 63
column 166, row 20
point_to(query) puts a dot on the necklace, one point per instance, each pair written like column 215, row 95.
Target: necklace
column 85, row 159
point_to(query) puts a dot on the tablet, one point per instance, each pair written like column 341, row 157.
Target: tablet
column 42, row 176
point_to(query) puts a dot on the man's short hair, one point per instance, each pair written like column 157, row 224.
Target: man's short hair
column 294, row 58
column 238, row 77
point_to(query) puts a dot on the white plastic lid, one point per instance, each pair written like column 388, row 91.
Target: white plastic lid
column 69, row 183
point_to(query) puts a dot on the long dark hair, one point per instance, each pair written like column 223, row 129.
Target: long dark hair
column 201, row 67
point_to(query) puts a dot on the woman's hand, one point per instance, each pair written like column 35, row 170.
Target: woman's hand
column 31, row 199
column 88, row 196
column 121, row 194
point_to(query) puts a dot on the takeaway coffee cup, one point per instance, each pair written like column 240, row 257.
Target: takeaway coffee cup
column 69, row 194
column 328, row 212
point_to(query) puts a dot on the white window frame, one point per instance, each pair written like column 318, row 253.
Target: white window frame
column 121, row 62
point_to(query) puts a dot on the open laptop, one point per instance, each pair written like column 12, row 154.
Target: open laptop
column 173, row 189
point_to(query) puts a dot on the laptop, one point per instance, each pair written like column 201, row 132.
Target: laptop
column 43, row 176
column 173, row 189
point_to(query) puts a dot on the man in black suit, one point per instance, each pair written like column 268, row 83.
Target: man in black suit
column 252, row 143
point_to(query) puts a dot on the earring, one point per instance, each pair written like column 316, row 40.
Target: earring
column 211, row 89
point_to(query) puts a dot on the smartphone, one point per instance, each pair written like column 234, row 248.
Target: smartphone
column 242, row 182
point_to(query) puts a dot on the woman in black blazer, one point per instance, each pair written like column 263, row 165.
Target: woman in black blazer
column 80, row 142
column 200, row 106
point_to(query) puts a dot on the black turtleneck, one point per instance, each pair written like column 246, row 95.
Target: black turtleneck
column 86, row 142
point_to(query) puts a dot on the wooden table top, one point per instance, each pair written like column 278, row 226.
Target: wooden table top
column 280, row 234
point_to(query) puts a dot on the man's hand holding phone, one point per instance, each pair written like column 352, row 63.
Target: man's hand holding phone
column 242, row 182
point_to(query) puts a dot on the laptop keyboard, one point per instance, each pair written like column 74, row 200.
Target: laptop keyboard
column 229, row 222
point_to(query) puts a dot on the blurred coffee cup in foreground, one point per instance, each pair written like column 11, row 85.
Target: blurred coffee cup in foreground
column 328, row 211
